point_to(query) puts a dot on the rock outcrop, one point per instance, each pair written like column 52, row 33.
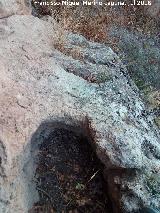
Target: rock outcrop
column 41, row 86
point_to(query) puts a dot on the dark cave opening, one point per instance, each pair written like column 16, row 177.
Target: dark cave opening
column 69, row 176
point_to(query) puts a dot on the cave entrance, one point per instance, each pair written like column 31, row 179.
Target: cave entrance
column 69, row 176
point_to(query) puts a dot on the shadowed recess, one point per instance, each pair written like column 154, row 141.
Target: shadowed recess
column 69, row 176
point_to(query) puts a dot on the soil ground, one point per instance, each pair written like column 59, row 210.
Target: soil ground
column 69, row 176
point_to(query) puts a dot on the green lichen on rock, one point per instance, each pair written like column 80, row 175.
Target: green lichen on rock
column 102, row 77
column 157, row 121
column 153, row 184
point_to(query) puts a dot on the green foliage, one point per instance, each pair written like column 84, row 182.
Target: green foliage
column 142, row 59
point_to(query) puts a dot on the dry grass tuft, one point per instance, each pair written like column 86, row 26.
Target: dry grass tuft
column 154, row 98
column 59, row 38
column 93, row 21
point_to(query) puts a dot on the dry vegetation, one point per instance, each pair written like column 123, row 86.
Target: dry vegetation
column 93, row 21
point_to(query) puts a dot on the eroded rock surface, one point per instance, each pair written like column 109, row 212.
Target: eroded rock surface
column 39, row 83
column 11, row 7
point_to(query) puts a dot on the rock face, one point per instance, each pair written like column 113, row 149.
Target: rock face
column 8, row 8
column 42, row 88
